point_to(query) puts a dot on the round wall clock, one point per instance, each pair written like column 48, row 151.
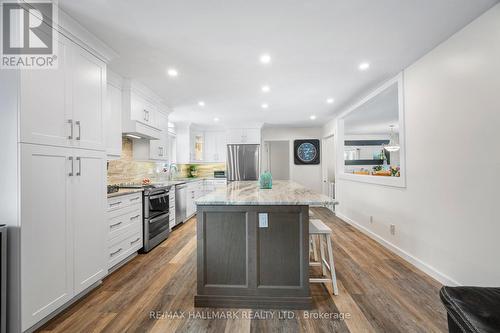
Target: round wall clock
column 306, row 151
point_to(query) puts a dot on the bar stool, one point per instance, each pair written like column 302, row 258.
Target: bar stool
column 318, row 229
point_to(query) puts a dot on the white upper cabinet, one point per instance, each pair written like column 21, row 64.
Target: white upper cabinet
column 183, row 147
column 215, row 146
column 71, row 98
column 197, row 145
column 47, row 90
column 89, row 89
column 252, row 135
column 141, row 108
column 154, row 149
column 113, row 116
column 243, row 136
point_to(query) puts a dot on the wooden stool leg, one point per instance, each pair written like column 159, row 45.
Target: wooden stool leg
column 322, row 252
column 332, row 266
column 315, row 250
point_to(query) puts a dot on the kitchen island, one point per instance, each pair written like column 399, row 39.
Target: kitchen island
column 253, row 246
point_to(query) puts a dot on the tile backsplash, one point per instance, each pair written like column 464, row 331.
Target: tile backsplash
column 204, row 170
column 128, row 170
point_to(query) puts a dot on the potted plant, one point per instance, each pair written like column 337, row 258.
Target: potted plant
column 193, row 171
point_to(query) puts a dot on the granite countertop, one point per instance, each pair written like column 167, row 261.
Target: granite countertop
column 187, row 180
column 249, row 193
column 124, row 191
column 173, row 182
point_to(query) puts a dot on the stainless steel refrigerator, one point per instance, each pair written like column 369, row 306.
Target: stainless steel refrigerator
column 243, row 162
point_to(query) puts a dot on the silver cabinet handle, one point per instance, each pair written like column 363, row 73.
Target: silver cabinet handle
column 134, row 199
column 70, row 122
column 115, row 225
column 135, row 217
column 145, row 115
column 79, row 159
column 112, row 254
column 135, row 241
column 77, row 123
column 72, row 166
column 115, row 203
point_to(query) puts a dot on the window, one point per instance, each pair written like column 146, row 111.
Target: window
column 371, row 137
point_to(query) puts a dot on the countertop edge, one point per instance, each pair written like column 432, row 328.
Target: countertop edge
column 122, row 192
column 275, row 203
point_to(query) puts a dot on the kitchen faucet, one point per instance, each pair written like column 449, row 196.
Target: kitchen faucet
column 172, row 171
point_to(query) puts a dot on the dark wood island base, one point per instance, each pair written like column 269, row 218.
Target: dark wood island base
column 253, row 256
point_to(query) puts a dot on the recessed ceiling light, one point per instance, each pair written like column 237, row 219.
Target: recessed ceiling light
column 265, row 106
column 216, row 119
column 201, row 103
column 172, row 72
column 133, row 136
column 265, row 58
column 312, row 117
column 330, row 100
column 364, row 66
column 266, row 88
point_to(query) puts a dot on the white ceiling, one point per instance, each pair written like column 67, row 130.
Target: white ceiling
column 376, row 115
column 316, row 46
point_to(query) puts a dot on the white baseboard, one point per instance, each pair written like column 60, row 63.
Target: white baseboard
column 428, row 269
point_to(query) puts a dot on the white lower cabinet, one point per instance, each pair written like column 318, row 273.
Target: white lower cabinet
column 195, row 190
column 124, row 227
column 214, row 184
column 88, row 207
column 62, row 235
column 46, row 233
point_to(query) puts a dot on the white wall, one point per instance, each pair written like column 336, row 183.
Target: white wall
column 278, row 159
column 307, row 175
column 447, row 218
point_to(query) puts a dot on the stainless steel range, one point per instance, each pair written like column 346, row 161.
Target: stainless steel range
column 156, row 205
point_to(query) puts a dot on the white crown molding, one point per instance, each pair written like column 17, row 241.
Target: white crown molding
column 74, row 31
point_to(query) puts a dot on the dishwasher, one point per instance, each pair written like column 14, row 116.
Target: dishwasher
column 180, row 203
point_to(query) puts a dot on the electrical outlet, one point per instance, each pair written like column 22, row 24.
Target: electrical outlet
column 263, row 220
column 393, row 229
column 371, row 219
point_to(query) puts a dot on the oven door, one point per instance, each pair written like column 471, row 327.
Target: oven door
column 158, row 203
column 156, row 230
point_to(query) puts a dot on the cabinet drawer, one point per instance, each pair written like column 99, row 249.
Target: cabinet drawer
column 124, row 201
column 117, row 225
column 124, row 246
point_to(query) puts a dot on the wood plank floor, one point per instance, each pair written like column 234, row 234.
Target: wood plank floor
column 379, row 292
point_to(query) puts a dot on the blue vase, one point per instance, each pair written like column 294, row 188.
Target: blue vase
column 266, row 180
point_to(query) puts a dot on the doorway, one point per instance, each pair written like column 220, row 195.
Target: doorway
column 328, row 148
column 278, row 159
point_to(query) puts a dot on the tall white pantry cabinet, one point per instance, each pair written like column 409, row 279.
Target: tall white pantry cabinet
column 53, row 179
